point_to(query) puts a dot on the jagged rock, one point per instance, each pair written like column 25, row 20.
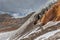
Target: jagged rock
column 53, row 14
column 7, row 23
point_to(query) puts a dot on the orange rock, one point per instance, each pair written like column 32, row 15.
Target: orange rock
column 53, row 14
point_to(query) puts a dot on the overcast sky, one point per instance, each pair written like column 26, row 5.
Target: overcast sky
column 21, row 7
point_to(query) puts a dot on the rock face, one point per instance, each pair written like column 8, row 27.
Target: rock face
column 7, row 23
column 6, row 19
column 52, row 14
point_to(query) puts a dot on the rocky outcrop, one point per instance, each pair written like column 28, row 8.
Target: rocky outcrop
column 8, row 23
column 53, row 14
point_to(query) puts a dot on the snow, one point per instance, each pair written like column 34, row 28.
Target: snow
column 6, row 35
column 47, row 35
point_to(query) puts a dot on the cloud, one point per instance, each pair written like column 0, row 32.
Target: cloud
column 18, row 15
